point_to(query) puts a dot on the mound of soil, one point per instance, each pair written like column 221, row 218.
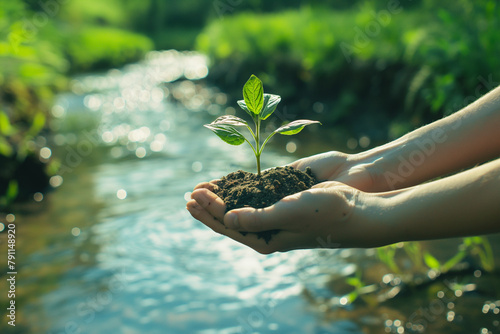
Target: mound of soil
column 243, row 189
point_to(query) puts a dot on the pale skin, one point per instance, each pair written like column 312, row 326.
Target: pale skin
column 383, row 195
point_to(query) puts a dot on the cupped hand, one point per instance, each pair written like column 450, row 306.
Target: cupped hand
column 322, row 216
column 338, row 166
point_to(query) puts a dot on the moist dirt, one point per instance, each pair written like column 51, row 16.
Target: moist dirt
column 243, row 189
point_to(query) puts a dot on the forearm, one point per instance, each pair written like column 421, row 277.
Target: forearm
column 461, row 140
column 464, row 204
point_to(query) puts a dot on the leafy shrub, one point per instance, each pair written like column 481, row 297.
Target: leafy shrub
column 104, row 47
column 375, row 77
column 32, row 72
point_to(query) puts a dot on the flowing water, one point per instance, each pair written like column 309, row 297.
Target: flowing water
column 113, row 250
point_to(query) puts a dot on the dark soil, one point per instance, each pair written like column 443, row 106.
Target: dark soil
column 242, row 189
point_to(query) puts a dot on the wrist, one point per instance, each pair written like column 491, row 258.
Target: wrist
column 371, row 223
column 380, row 214
column 367, row 170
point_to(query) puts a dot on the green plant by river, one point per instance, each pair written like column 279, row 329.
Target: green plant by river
column 259, row 107
column 426, row 62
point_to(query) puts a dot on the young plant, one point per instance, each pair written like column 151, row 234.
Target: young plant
column 259, row 106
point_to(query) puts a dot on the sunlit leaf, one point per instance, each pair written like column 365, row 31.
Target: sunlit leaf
column 253, row 93
column 6, row 128
column 12, row 191
column 270, row 103
column 294, row 127
column 227, row 134
column 243, row 106
column 5, row 147
column 37, row 125
column 454, row 261
column 229, row 120
column 352, row 296
column 354, row 281
column 431, row 261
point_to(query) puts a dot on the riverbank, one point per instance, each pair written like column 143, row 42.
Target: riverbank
column 377, row 70
column 41, row 48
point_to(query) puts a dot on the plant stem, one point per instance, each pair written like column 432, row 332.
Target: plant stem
column 257, row 144
column 258, row 164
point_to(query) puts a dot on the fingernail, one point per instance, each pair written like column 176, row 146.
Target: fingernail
column 232, row 221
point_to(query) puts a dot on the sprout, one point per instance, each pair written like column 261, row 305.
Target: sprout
column 259, row 106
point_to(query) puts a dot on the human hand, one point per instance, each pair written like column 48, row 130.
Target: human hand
column 338, row 166
column 329, row 215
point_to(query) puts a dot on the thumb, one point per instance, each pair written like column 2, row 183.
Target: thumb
column 254, row 220
column 278, row 216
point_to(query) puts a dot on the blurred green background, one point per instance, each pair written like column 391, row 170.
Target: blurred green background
column 370, row 71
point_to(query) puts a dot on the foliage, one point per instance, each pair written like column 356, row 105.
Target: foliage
column 423, row 260
column 79, row 13
column 105, row 47
column 39, row 45
column 32, row 71
column 259, row 106
column 474, row 253
column 99, row 34
column 377, row 76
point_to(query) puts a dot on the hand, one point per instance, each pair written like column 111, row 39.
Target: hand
column 338, row 166
column 323, row 216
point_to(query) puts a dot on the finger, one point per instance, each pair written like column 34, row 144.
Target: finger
column 273, row 217
column 199, row 213
column 207, row 185
column 250, row 239
column 329, row 184
column 210, row 202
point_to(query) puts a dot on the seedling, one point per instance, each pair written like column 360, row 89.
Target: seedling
column 259, row 106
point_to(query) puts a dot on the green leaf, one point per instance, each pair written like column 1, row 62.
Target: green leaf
column 270, row 103
column 454, row 261
column 243, row 106
column 354, row 281
column 229, row 120
column 431, row 261
column 5, row 127
column 5, row 147
column 227, row 134
column 37, row 125
column 294, row 127
column 12, row 191
column 352, row 296
column 253, row 93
